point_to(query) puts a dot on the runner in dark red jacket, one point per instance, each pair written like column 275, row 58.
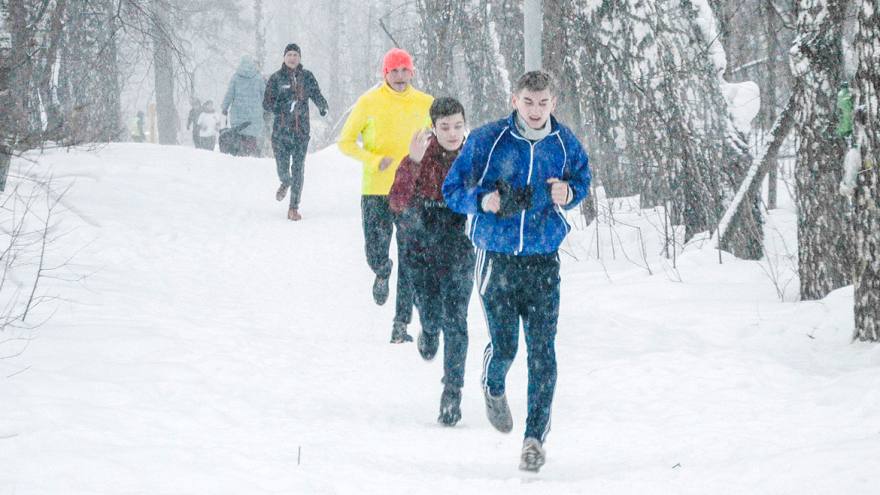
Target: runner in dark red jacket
column 436, row 247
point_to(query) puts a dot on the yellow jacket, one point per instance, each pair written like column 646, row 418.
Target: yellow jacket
column 385, row 121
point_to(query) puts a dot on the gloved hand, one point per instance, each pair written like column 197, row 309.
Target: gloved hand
column 322, row 111
column 513, row 200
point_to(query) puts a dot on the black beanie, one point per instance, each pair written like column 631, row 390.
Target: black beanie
column 293, row 47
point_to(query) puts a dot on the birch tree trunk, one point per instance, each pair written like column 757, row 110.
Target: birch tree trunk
column 867, row 194
column 5, row 97
column 824, row 248
column 21, row 69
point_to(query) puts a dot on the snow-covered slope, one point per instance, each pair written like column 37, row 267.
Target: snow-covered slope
column 215, row 347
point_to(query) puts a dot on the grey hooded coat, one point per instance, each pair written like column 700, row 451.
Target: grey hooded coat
column 244, row 98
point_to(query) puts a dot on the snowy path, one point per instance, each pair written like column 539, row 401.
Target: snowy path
column 218, row 348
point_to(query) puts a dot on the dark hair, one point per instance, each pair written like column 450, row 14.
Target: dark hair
column 444, row 107
column 536, row 80
column 293, row 47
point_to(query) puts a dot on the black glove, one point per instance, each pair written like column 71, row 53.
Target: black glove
column 513, row 200
column 322, row 111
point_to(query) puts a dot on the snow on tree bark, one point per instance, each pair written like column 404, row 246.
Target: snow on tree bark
column 89, row 98
column 824, row 248
column 485, row 64
column 440, row 19
column 866, row 276
column 657, row 122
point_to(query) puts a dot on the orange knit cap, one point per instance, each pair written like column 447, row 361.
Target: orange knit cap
column 396, row 58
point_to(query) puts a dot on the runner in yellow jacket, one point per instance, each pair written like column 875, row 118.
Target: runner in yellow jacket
column 385, row 118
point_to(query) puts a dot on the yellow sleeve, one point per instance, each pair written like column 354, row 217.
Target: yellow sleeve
column 354, row 125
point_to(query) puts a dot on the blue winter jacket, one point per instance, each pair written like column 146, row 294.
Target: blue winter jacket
column 498, row 151
column 244, row 98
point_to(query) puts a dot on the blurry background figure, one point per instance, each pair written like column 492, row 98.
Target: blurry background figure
column 209, row 126
column 192, row 120
column 137, row 134
column 244, row 100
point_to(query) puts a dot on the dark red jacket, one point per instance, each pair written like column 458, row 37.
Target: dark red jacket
column 417, row 197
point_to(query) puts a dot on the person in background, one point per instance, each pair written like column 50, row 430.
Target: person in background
column 287, row 96
column 139, row 135
column 516, row 176
column 209, row 126
column 192, row 120
column 436, row 247
column 385, row 118
column 244, row 99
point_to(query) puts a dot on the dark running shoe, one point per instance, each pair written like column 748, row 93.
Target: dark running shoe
column 398, row 333
column 380, row 290
column 281, row 193
column 428, row 344
column 450, row 406
column 380, row 284
column 498, row 411
column 533, row 455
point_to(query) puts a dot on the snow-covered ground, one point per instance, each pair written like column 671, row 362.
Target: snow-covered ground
column 214, row 347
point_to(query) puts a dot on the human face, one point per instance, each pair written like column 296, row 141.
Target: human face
column 291, row 59
column 534, row 107
column 450, row 131
column 399, row 78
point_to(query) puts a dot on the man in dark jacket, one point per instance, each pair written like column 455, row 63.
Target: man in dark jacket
column 287, row 96
column 516, row 177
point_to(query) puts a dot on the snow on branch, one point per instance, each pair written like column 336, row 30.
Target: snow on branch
column 759, row 168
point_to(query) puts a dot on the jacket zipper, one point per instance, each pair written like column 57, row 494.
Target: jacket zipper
column 522, row 220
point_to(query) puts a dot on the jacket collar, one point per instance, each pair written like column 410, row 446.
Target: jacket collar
column 439, row 153
column 288, row 70
column 398, row 94
column 511, row 123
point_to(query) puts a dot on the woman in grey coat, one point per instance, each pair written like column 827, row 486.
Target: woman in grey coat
column 244, row 99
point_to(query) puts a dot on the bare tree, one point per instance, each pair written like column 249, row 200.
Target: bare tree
column 28, row 230
column 163, row 69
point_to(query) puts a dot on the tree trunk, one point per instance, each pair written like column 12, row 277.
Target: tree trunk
column 439, row 20
column 485, row 65
column 824, row 248
column 259, row 34
column 771, row 23
column 88, row 85
column 163, row 69
column 533, row 21
column 867, row 194
column 114, row 129
column 20, row 73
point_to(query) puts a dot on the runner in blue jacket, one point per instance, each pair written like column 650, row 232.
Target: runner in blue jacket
column 515, row 177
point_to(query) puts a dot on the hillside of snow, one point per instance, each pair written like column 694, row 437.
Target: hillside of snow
column 191, row 340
